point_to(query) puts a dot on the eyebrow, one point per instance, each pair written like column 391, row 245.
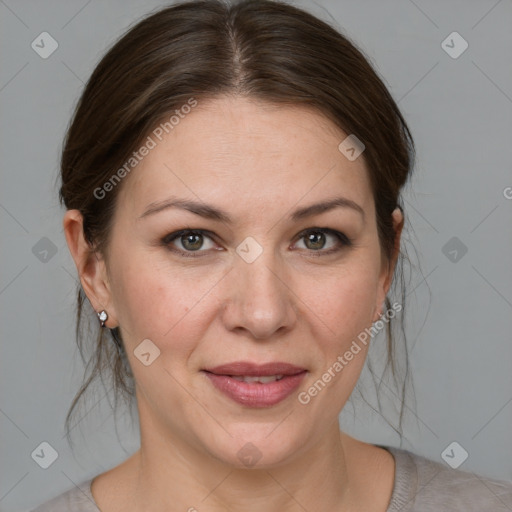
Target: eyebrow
column 214, row 213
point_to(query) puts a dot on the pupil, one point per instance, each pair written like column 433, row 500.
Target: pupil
column 317, row 240
column 188, row 241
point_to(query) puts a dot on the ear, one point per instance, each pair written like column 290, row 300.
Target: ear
column 386, row 275
column 90, row 265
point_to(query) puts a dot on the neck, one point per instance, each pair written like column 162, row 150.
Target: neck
column 171, row 475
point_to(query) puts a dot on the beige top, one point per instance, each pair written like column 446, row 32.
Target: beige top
column 421, row 485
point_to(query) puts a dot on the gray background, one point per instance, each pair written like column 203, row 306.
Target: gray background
column 459, row 317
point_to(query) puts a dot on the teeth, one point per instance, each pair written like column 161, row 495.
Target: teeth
column 262, row 380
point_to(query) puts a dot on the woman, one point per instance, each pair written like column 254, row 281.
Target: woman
column 232, row 180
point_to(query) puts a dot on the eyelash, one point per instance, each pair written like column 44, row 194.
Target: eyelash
column 343, row 239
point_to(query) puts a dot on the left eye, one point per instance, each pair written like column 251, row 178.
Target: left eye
column 316, row 239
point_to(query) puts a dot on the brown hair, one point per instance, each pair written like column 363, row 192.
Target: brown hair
column 262, row 49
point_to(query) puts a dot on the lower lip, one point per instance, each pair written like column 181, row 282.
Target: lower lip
column 255, row 394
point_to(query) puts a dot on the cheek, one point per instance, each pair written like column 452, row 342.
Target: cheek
column 342, row 301
column 164, row 305
column 342, row 310
column 346, row 308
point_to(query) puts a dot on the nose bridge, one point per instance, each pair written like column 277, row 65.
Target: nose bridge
column 259, row 302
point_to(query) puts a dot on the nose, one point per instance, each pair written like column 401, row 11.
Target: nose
column 259, row 299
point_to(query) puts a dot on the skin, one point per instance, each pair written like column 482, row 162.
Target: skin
column 259, row 163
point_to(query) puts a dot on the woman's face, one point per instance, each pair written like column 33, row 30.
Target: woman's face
column 270, row 282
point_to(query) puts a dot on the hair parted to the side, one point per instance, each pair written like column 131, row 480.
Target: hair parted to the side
column 261, row 49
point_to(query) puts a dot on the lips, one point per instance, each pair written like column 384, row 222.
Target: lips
column 247, row 369
column 256, row 385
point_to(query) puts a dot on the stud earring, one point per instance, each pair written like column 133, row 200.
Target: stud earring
column 103, row 316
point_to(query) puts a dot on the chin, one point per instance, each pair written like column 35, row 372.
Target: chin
column 256, row 447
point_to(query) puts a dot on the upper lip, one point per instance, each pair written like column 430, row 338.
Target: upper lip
column 248, row 369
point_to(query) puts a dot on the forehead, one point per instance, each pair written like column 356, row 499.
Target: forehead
column 248, row 155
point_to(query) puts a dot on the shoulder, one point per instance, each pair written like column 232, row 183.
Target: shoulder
column 77, row 499
column 425, row 485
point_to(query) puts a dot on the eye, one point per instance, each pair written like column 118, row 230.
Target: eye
column 316, row 240
column 190, row 241
column 186, row 242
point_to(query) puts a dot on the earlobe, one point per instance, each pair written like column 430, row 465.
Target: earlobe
column 398, row 224
column 90, row 266
column 387, row 275
column 379, row 312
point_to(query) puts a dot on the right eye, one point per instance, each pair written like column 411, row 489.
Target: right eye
column 191, row 240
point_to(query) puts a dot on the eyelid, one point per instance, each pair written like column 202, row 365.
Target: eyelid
column 176, row 234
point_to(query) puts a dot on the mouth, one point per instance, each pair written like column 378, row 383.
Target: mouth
column 256, row 385
column 262, row 379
